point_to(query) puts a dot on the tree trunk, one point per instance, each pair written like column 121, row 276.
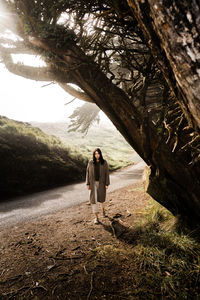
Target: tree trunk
column 172, row 29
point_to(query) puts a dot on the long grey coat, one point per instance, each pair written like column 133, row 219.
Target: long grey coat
column 104, row 180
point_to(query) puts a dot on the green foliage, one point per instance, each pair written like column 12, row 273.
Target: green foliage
column 58, row 34
column 41, row 17
column 32, row 160
column 84, row 117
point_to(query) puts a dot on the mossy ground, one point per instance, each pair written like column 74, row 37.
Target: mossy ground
column 135, row 253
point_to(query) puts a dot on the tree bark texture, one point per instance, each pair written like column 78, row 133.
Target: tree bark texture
column 172, row 29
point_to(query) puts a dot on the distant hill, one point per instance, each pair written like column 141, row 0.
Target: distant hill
column 114, row 147
column 31, row 160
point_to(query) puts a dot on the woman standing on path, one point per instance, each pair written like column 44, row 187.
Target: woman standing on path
column 97, row 181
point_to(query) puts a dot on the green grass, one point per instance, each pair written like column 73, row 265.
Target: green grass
column 155, row 261
column 167, row 261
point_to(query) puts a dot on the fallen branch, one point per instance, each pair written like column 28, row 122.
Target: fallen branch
column 12, row 293
column 3, row 271
column 91, row 286
column 16, row 292
column 66, row 257
column 39, row 287
column 113, row 229
column 86, row 272
column 11, row 279
column 53, row 291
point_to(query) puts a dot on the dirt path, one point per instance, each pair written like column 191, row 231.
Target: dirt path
column 36, row 205
column 65, row 256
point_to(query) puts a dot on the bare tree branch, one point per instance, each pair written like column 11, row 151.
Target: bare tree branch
column 34, row 73
column 75, row 92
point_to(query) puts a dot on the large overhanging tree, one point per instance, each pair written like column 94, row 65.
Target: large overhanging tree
column 104, row 48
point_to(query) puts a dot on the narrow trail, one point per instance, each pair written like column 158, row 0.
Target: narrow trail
column 27, row 208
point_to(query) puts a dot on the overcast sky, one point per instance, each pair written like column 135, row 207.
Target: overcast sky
column 26, row 100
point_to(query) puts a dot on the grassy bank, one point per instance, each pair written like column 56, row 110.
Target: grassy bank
column 155, row 261
column 31, row 160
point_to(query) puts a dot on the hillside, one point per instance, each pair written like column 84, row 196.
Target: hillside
column 31, row 160
column 114, row 147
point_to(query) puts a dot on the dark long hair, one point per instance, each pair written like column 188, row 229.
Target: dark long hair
column 100, row 158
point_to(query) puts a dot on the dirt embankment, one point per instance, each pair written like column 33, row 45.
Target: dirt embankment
column 65, row 256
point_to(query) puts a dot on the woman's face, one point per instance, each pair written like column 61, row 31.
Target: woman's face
column 97, row 155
